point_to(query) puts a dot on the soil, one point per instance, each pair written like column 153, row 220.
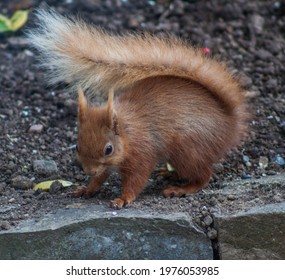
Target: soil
column 249, row 35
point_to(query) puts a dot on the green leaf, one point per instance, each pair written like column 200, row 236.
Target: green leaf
column 18, row 19
column 45, row 186
column 5, row 24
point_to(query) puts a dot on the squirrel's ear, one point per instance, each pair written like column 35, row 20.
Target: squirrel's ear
column 82, row 104
column 113, row 117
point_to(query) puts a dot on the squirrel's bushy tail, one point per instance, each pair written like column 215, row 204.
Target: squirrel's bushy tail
column 87, row 56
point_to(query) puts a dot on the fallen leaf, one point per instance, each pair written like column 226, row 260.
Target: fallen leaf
column 5, row 24
column 17, row 20
column 45, row 186
column 169, row 167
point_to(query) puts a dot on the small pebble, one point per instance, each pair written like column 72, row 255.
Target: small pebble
column 263, row 162
column 276, row 5
column 71, row 106
column 221, row 199
column 212, row 233
column 257, row 23
column 279, row 160
column 5, row 225
column 55, row 187
column 43, row 196
column 213, row 201
column 245, row 176
column 208, row 220
column 282, row 126
column 248, row 164
column 218, row 167
column 2, row 188
column 231, row 197
column 263, row 54
column 25, row 113
column 11, row 200
column 36, row 128
column 245, row 158
column 21, row 182
column 277, row 198
column 195, row 203
column 271, row 172
column 45, row 167
column 133, row 22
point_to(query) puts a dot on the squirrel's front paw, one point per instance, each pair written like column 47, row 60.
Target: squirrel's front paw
column 117, row 203
column 82, row 191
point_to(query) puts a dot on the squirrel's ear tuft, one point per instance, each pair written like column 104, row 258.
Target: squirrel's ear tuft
column 113, row 117
column 82, row 104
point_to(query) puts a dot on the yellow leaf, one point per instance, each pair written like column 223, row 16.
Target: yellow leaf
column 18, row 19
column 45, row 186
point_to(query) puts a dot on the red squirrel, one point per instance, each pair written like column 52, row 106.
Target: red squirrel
column 167, row 101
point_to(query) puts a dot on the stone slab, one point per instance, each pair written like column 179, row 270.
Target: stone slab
column 95, row 232
column 258, row 233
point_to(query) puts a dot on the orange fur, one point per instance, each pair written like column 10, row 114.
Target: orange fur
column 175, row 104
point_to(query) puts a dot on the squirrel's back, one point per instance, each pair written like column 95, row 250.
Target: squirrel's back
column 164, row 108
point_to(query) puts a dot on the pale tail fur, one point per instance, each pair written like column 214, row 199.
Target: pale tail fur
column 87, row 56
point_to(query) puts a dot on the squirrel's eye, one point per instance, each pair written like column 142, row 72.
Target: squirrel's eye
column 108, row 149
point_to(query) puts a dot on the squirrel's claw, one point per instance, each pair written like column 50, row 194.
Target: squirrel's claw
column 117, row 203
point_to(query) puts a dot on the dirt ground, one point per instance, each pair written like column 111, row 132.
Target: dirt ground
column 249, row 35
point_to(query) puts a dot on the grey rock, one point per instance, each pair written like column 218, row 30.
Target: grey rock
column 257, row 23
column 256, row 234
column 45, row 167
column 272, row 84
column 36, row 128
column 55, row 187
column 6, row 209
column 71, row 106
column 94, row 232
column 245, row 80
column 21, row 182
column 231, row 197
column 263, row 54
column 208, row 220
column 212, row 233
column 135, row 21
column 18, row 41
column 5, row 225
column 218, row 167
column 2, row 187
